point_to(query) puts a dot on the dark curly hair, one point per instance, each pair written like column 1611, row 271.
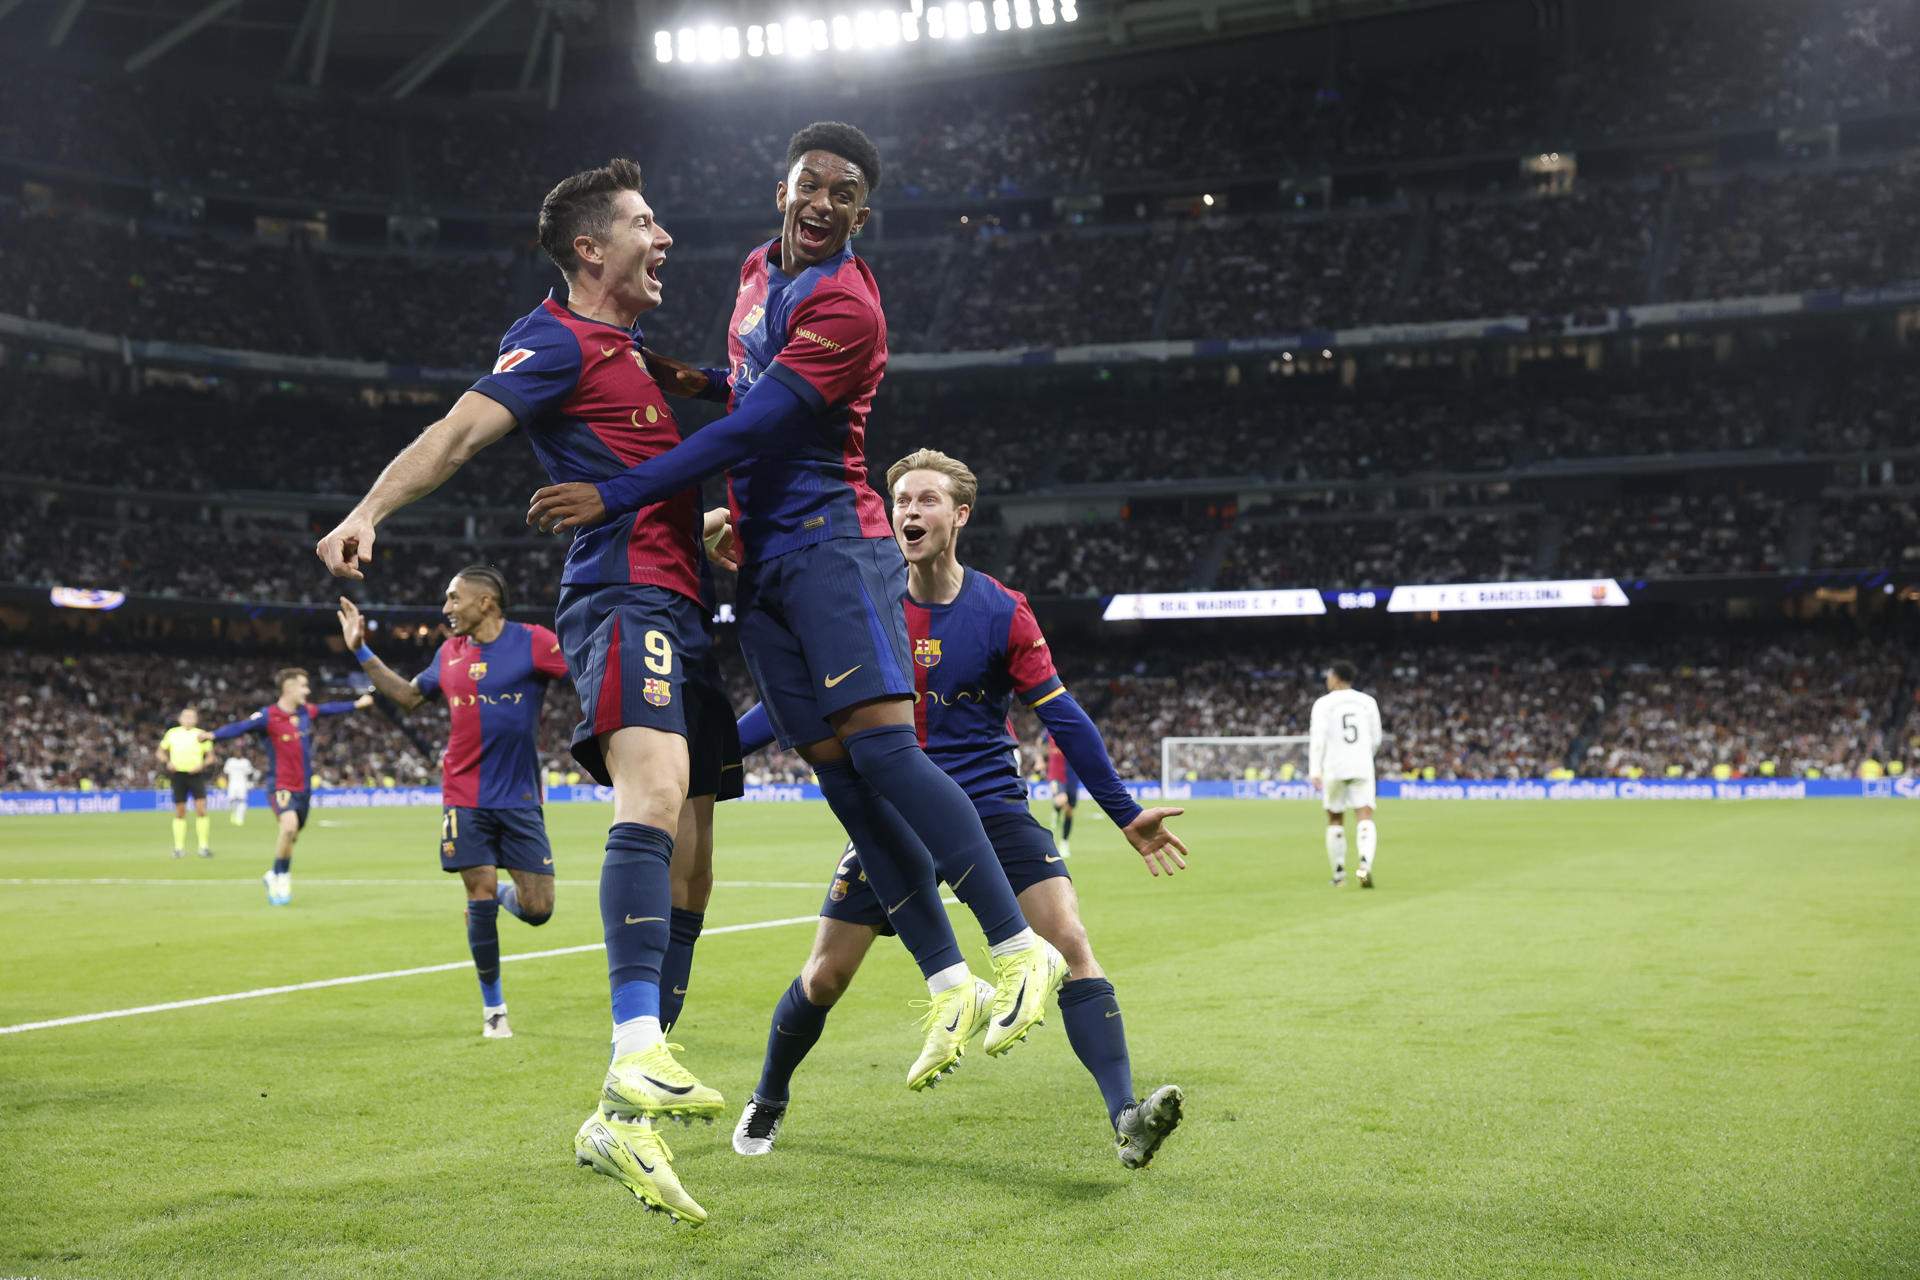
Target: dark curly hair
column 842, row 140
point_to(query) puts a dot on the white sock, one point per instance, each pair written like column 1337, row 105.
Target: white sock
column 495, row 1008
column 636, row 1035
column 947, row 979
column 239, row 814
column 1363, row 835
column 1337, row 849
column 1018, row 942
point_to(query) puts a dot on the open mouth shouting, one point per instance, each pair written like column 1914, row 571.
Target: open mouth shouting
column 913, row 533
column 653, row 268
column 813, row 234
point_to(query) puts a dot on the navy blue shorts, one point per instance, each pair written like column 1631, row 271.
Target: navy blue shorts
column 822, row 629
column 1024, row 847
column 640, row 655
column 297, row 803
column 515, row 838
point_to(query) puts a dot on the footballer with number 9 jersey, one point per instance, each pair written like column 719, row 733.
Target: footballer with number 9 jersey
column 821, row 582
column 976, row 647
column 656, row 726
column 494, row 675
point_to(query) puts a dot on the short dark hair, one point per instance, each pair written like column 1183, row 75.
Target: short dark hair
column 1341, row 669
column 842, row 140
column 285, row 674
column 490, row 578
column 583, row 205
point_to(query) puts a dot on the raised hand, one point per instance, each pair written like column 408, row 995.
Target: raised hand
column 349, row 546
column 353, row 627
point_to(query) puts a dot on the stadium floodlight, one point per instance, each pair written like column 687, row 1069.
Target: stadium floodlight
column 936, row 24
column 776, row 40
column 886, row 26
column 956, row 19
column 819, row 28
column 977, row 17
column 799, row 37
column 663, row 46
column 1069, row 11
column 1046, row 13
column 730, row 43
column 1022, row 14
column 709, row 41
column 756, row 41
column 1206, row 198
column 1002, row 16
column 684, row 45
column 842, row 31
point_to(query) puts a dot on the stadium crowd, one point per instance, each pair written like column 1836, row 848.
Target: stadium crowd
column 1796, row 704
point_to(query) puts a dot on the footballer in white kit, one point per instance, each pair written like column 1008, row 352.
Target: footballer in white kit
column 241, row 776
column 1346, row 733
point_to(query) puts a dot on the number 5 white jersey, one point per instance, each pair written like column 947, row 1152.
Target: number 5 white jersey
column 1346, row 733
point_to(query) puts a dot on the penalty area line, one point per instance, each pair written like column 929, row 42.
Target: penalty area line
column 356, row 979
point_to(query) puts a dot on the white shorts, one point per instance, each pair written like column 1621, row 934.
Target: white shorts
column 1343, row 794
column 237, row 794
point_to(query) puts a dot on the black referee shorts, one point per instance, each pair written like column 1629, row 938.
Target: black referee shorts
column 187, row 785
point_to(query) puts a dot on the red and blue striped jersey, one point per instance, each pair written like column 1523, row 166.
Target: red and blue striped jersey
column 971, row 658
column 493, row 694
column 581, row 391
column 823, row 336
column 289, row 739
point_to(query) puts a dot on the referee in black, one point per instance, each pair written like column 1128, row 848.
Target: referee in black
column 184, row 749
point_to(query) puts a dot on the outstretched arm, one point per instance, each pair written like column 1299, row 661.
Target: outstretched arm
column 404, row 693
column 474, row 422
column 360, row 703
column 685, row 380
column 1080, row 742
column 765, row 415
column 255, row 723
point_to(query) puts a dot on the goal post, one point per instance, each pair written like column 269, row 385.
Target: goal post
column 1184, row 760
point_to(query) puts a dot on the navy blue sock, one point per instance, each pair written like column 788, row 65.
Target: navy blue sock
column 1098, row 1035
column 683, row 930
column 483, row 939
column 280, row 865
column 1066, row 825
column 938, row 811
column 635, row 896
column 797, row 1024
column 901, row 876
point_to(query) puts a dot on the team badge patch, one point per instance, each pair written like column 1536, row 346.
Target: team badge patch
column 839, row 891
column 657, row 692
column 447, row 848
column 926, row 651
column 476, row 671
column 750, row 321
column 510, row 359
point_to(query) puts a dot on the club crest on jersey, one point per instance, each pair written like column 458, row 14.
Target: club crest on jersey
column 926, row 651
column 657, row 692
column 751, row 321
column 476, row 671
column 839, row 891
column 509, row 360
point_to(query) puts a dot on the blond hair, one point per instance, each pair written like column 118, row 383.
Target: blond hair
column 960, row 477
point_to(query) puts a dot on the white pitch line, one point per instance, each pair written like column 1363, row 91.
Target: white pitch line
column 362, row 977
column 313, row 880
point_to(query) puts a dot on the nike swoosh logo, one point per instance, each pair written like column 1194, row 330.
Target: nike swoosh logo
column 955, row 886
column 903, row 902
column 831, row 681
column 546, row 862
column 783, row 1031
column 1113, row 1013
column 643, row 919
column 1052, row 857
column 679, row 991
column 954, row 1025
column 664, row 1087
column 1017, row 1000
column 643, row 1164
column 607, row 351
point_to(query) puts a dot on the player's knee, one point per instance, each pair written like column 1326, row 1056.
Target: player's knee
column 825, row 979
column 536, row 918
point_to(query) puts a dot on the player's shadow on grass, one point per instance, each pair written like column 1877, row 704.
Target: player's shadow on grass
column 1061, row 1187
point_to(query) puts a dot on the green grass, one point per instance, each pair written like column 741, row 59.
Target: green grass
column 1561, row 1039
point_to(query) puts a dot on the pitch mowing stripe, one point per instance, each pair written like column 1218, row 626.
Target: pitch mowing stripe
column 312, row 880
column 357, row 978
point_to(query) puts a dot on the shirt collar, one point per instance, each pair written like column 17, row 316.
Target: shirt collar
column 553, row 296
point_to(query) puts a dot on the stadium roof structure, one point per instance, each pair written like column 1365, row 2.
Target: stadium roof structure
column 504, row 47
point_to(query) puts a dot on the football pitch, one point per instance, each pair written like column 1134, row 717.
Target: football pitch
column 1560, row 1039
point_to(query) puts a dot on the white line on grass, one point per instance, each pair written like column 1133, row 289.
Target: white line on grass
column 362, row 977
column 254, row 881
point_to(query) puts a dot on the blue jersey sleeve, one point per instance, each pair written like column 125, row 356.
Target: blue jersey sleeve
column 538, row 367
column 1079, row 740
column 766, row 414
column 332, row 709
column 255, row 723
column 428, row 681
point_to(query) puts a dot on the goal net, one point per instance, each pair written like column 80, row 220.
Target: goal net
column 1187, row 761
